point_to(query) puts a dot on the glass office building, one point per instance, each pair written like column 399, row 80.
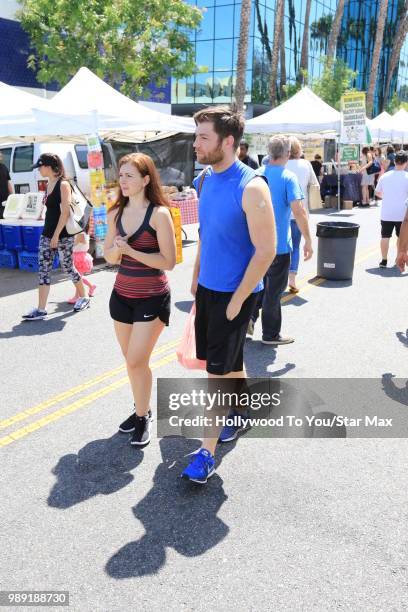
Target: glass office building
column 216, row 49
column 356, row 44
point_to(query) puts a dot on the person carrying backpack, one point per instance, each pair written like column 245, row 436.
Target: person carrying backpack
column 55, row 237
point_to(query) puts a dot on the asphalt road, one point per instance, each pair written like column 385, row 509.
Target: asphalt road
column 285, row 524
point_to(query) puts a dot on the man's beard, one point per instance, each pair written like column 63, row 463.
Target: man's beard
column 214, row 157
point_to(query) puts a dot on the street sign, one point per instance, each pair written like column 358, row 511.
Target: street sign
column 353, row 118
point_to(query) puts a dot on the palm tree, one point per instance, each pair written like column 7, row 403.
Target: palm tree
column 263, row 31
column 320, row 32
column 282, row 83
column 292, row 32
column 376, row 56
column 334, row 34
column 279, row 12
column 304, row 58
column 399, row 40
column 240, row 86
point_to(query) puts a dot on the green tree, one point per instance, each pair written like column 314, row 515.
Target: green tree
column 129, row 43
column 395, row 104
column 335, row 80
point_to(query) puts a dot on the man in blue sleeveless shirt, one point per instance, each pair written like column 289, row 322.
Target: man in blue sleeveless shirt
column 236, row 247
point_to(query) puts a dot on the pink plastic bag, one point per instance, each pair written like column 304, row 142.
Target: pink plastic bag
column 186, row 351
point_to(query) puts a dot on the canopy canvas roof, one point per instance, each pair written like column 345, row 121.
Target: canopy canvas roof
column 305, row 112
column 393, row 128
column 86, row 105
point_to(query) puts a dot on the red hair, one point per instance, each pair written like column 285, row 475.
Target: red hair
column 153, row 190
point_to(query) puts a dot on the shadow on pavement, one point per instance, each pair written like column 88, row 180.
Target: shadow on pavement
column 331, row 284
column 386, row 272
column 175, row 514
column 101, row 467
column 295, row 300
column 258, row 357
column 394, row 392
column 403, row 337
column 41, row 328
column 14, row 281
column 184, row 306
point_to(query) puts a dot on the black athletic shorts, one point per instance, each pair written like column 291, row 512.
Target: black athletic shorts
column 219, row 341
column 388, row 226
column 135, row 310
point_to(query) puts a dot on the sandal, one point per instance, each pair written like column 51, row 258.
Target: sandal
column 293, row 289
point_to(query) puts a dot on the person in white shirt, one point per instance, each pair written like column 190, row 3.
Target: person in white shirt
column 306, row 176
column 392, row 188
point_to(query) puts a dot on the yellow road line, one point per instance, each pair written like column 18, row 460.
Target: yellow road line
column 80, row 403
column 25, row 414
column 54, row 416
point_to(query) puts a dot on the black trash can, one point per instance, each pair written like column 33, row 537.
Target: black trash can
column 336, row 249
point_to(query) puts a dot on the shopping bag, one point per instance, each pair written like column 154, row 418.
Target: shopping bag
column 315, row 199
column 186, row 351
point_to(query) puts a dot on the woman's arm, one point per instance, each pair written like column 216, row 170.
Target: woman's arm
column 166, row 258
column 368, row 164
column 65, row 210
column 111, row 252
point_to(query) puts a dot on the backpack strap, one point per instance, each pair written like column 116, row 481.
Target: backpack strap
column 202, row 177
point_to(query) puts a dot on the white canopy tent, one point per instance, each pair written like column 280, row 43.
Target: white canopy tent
column 394, row 128
column 16, row 110
column 305, row 112
column 87, row 105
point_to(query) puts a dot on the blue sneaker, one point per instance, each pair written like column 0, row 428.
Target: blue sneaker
column 35, row 315
column 202, row 466
column 239, row 422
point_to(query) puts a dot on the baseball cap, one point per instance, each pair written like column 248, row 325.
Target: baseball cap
column 45, row 160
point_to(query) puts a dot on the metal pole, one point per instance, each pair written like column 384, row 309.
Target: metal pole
column 338, row 173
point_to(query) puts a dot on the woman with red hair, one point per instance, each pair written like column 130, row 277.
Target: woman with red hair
column 141, row 239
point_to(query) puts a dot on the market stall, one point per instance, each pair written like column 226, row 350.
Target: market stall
column 87, row 110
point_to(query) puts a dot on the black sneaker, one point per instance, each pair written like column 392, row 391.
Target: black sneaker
column 143, row 426
column 129, row 425
column 383, row 263
column 277, row 341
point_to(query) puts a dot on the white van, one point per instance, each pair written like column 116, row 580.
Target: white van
column 20, row 157
column 172, row 155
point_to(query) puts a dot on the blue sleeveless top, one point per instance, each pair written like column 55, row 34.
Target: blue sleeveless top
column 226, row 247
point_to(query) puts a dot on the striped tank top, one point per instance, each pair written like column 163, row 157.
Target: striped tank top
column 134, row 279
